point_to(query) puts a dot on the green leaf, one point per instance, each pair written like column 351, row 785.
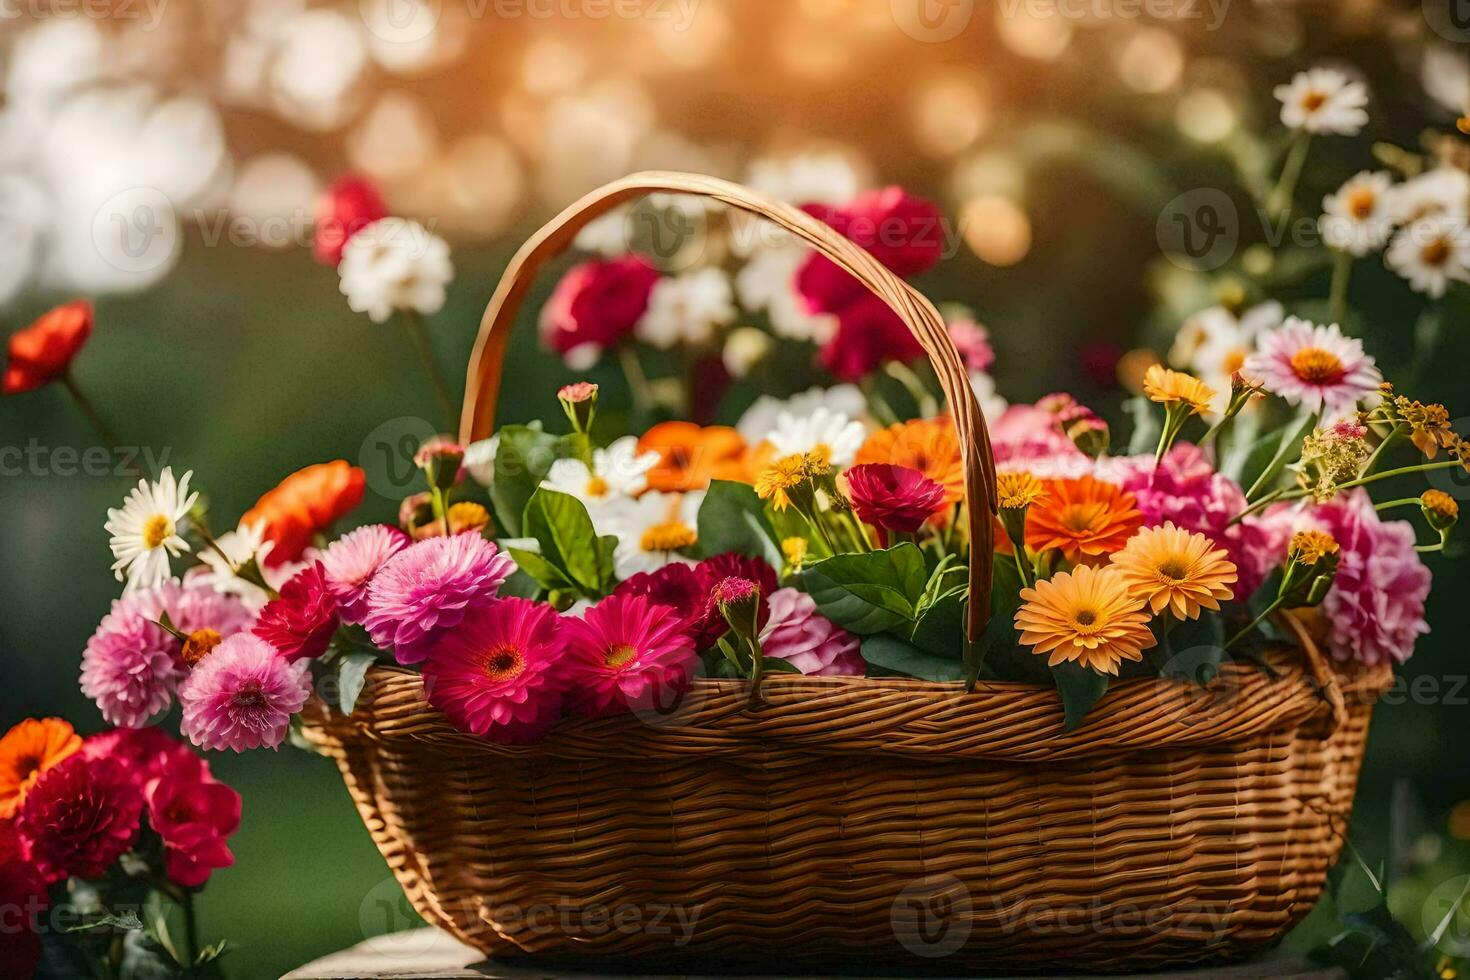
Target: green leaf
column 349, row 638
column 1283, row 452
column 775, row 665
column 940, row 624
column 898, row 657
column 561, row 526
column 733, row 518
column 1001, row 652
column 520, row 585
column 547, row 575
column 870, row 592
column 522, row 460
column 127, row 921
column 1081, row 687
column 352, row 671
column 1197, row 646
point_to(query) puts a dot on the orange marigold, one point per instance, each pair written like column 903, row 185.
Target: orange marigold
column 690, row 456
column 930, row 446
column 1086, row 519
column 306, row 504
column 28, row 750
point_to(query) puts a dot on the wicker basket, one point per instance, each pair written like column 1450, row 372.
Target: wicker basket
column 866, row 819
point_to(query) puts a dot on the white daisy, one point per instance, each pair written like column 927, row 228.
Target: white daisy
column 992, row 406
column 395, row 264
column 1227, row 343
column 145, row 532
column 235, row 549
column 760, row 419
column 618, row 474
column 826, row 178
column 1443, row 190
column 653, row 531
column 835, row 436
column 1324, row 100
column 1430, row 252
column 606, row 234
column 687, row 309
column 766, row 284
column 1356, row 219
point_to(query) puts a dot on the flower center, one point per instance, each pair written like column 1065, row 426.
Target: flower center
column 1361, row 202
column 1085, row 619
column 250, row 696
column 596, row 487
column 503, row 663
column 1081, row 517
column 1235, row 360
column 1317, row 366
column 668, row 536
column 620, row 656
column 823, row 453
column 1435, row 253
column 1173, row 569
column 1313, row 100
column 156, row 530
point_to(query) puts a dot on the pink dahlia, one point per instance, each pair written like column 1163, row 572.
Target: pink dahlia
column 810, row 642
column 596, row 304
column 195, row 817
column 1314, row 366
column 301, row 621
column 894, row 498
column 496, row 674
column 352, row 560
column 80, row 817
column 429, row 587
column 625, row 652
column 146, row 753
column 242, row 695
column 1376, row 605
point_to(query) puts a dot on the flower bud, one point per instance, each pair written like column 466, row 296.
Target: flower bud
column 1440, row 509
column 441, row 460
column 579, row 401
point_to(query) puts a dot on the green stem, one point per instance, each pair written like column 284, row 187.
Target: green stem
column 94, row 418
column 1393, row 435
column 924, row 400
column 636, row 377
column 1279, row 203
column 1265, row 501
column 1275, row 605
column 1403, row 502
column 1386, row 474
column 191, row 927
column 418, row 332
column 1342, row 271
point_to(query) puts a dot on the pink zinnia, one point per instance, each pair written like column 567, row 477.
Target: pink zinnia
column 627, row 652
column 195, row 817
column 596, row 304
column 1314, row 366
column 810, row 642
column 242, row 695
column 430, row 587
column 894, row 498
column 300, row 623
column 352, row 560
column 496, row 674
column 1375, row 608
column 80, row 817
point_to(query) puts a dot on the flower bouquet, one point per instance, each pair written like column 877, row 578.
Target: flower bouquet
column 838, row 680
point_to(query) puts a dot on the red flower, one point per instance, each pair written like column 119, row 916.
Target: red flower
column 80, row 818
column 22, row 898
column 597, row 303
column 301, row 622
column 42, row 352
column 304, row 505
column 343, row 210
column 195, row 818
column 146, row 753
column 677, row 586
column 868, row 334
column 894, row 498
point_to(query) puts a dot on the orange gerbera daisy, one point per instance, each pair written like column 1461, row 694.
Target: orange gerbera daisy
column 1087, row 616
column 1178, row 570
column 930, row 446
column 28, row 750
column 1086, row 519
column 690, row 455
column 306, row 504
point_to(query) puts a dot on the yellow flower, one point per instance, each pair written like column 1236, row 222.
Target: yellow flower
column 794, row 549
column 1310, row 547
column 1178, row 570
column 1176, row 388
column 1440, row 509
column 1429, row 425
column 467, row 516
column 1087, row 616
column 776, row 481
column 1017, row 491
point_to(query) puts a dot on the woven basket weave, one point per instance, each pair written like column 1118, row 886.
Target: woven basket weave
column 866, row 819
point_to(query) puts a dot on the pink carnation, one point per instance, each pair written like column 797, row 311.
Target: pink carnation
column 352, row 560
column 242, row 695
column 430, row 587
column 894, row 498
column 496, row 674
column 80, row 817
column 627, row 652
column 1376, row 604
column 195, row 817
column 597, row 304
column 810, row 642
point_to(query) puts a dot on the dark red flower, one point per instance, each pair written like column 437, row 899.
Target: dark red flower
column 597, row 303
column 146, row 753
column 894, row 498
column 22, row 898
column 80, row 818
column 868, row 335
column 343, row 210
column 195, row 818
column 677, row 587
column 42, row 352
column 300, row 623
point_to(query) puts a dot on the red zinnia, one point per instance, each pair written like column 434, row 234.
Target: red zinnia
column 195, row 818
column 304, row 505
column 894, row 498
column 343, row 210
column 42, row 352
column 80, row 818
column 597, row 303
column 301, row 622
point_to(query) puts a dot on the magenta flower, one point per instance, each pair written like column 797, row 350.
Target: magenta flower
column 973, row 342
column 894, row 498
column 195, row 817
column 810, row 642
column 430, row 587
column 242, row 695
column 596, row 304
column 146, row 753
column 496, row 674
column 352, row 560
column 300, row 623
column 80, row 817
column 627, row 652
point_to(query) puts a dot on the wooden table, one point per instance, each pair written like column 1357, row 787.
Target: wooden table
column 428, row 954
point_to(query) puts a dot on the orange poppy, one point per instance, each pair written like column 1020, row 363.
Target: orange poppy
column 28, row 750
column 691, row 455
column 930, row 446
column 1086, row 519
column 306, row 504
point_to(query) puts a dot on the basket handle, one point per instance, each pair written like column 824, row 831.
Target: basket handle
column 1322, row 673
column 482, row 386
